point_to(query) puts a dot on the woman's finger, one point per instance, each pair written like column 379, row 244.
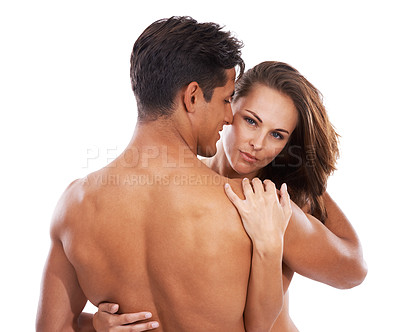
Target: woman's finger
column 247, row 188
column 257, row 186
column 270, row 187
column 110, row 308
column 130, row 318
column 231, row 195
column 285, row 200
column 139, row 327
column 105, row 321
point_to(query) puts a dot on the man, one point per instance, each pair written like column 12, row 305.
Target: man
column 154, row 230
column 181, row 245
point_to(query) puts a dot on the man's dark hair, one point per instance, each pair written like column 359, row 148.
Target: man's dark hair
column 171, row 53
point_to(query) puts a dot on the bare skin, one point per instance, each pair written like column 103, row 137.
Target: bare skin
column 338, row 230
column 191, row 239
column 266, row 261
column 266, row 235
column 265, row 141
column 151, row 275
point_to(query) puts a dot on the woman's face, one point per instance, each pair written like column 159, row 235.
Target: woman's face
column 262, row 124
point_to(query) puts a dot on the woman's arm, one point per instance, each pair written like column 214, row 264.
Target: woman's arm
column 85, row 322
column 339, row 225
column 265, row 219
column 106, row 320
column 329, row 253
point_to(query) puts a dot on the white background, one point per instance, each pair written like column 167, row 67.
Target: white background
column 65, row 96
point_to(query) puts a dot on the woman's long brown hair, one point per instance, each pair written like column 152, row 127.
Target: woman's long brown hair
column 311, row 153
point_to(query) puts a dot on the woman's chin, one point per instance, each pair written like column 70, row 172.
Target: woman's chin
column 245, row 171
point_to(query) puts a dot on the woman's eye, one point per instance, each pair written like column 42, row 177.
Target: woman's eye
column 250, row 121
column 228, row 101
column 277, row 135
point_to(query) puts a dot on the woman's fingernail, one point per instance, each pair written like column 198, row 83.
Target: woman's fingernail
column 226, row 185
column 155, row 324
column 245, row 179
column 148, row 315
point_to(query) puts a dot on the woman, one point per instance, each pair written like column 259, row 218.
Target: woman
column 280, row 132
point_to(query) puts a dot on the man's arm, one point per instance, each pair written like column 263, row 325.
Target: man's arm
column 329, row 253
column 61, row 298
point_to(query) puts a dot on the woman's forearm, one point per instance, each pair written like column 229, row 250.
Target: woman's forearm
column 265, row 218
column 265, row 291
column 85, row 322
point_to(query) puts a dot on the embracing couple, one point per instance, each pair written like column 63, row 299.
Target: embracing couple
column 217, row 253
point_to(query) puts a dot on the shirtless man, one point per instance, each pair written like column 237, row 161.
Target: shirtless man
column 181, row 250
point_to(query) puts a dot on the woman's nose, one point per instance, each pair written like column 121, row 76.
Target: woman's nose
column 257, row 142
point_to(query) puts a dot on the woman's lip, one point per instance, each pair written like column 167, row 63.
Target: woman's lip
column 248, row 157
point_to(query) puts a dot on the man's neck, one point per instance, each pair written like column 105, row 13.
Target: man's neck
column 160, row 141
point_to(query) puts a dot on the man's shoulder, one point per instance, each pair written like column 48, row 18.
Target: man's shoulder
column 202, row 190
column 75, row 203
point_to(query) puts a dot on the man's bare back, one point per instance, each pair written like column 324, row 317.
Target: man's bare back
column 176, row 247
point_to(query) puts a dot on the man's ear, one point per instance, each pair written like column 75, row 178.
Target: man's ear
column 191, row 96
